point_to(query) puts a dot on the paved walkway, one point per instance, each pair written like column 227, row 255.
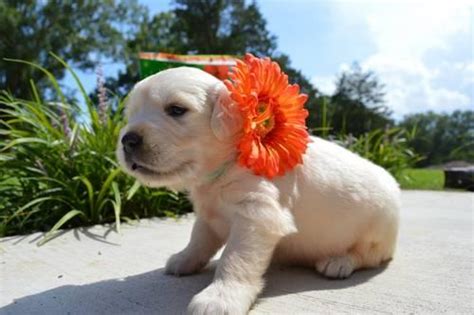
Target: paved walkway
column 97, row 271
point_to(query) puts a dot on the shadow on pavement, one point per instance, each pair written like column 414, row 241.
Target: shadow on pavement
column 78, row 233
column 155, row 292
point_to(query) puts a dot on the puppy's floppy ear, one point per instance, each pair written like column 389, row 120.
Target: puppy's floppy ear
column 225, row 120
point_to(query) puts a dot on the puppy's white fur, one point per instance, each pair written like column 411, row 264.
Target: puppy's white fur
column 337, row 212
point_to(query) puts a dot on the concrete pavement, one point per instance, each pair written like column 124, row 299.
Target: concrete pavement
column 97, row 271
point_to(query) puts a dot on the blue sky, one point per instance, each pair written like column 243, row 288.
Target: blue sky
column 421, row 50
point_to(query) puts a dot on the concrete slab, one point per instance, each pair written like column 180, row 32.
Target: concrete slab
column 97, row 271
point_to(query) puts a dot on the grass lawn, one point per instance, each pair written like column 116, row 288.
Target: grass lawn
column 429, row 179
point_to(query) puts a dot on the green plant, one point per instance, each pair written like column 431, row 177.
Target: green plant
column 388, row 148
column 442, row 137
column 325, row 128
column 431, row 179
column 59, row 170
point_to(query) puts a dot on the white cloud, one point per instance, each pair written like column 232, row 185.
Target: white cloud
column 469, row 67
column 467, row 71
column 412, row 40
column 325, row 84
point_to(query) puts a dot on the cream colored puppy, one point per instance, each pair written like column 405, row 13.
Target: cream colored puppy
column 336, row 213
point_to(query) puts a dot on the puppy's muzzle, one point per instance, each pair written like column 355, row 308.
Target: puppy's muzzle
column 131, row 141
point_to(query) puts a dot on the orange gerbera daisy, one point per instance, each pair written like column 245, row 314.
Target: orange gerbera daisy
column 274, row 131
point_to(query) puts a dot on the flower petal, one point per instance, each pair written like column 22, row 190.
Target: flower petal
column 274, row 132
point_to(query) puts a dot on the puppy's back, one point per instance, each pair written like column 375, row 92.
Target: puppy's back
column 338, row 200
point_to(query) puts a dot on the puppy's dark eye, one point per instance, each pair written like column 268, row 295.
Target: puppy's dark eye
column 175, row 110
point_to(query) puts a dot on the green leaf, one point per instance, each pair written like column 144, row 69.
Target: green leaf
column 74, row 135
column 29, row 205
column 24, row 140
column 48, row 74
column 107, row 183
column 136, row 185
column 35, row 92
column 129, row 220
column 90, row 190
column 90, row 106
column 68, row 216
column 101, row 200
column 117, row 205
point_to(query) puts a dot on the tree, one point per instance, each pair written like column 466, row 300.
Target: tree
column 74, row 30
column 358, row 104
column 205, row 27
column 197, row 27
column 441, row 138
column 231, row 27
column 223, row 26
column 153, row 34
column 314, row 102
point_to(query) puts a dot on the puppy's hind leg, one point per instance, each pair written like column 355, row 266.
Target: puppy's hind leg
column 336, row 267
column 363, row 255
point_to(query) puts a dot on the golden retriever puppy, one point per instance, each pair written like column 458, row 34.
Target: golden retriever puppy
column 336, row 212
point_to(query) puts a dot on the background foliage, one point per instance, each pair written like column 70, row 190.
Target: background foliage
column 57, row 164
column 75, row 30
column 56, row 170
column 442, row 137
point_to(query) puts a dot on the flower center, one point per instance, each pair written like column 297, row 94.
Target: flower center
column 265, row 121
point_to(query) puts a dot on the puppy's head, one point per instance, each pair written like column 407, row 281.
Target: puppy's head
column 177, row 120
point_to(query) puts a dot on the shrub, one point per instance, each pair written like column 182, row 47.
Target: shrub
column 387, row 148
column 59, row 170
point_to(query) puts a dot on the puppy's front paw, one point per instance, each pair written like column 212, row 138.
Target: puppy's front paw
column 223, row 298
column 183, row 263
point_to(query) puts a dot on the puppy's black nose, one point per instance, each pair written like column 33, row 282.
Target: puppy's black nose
column 131, row 141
